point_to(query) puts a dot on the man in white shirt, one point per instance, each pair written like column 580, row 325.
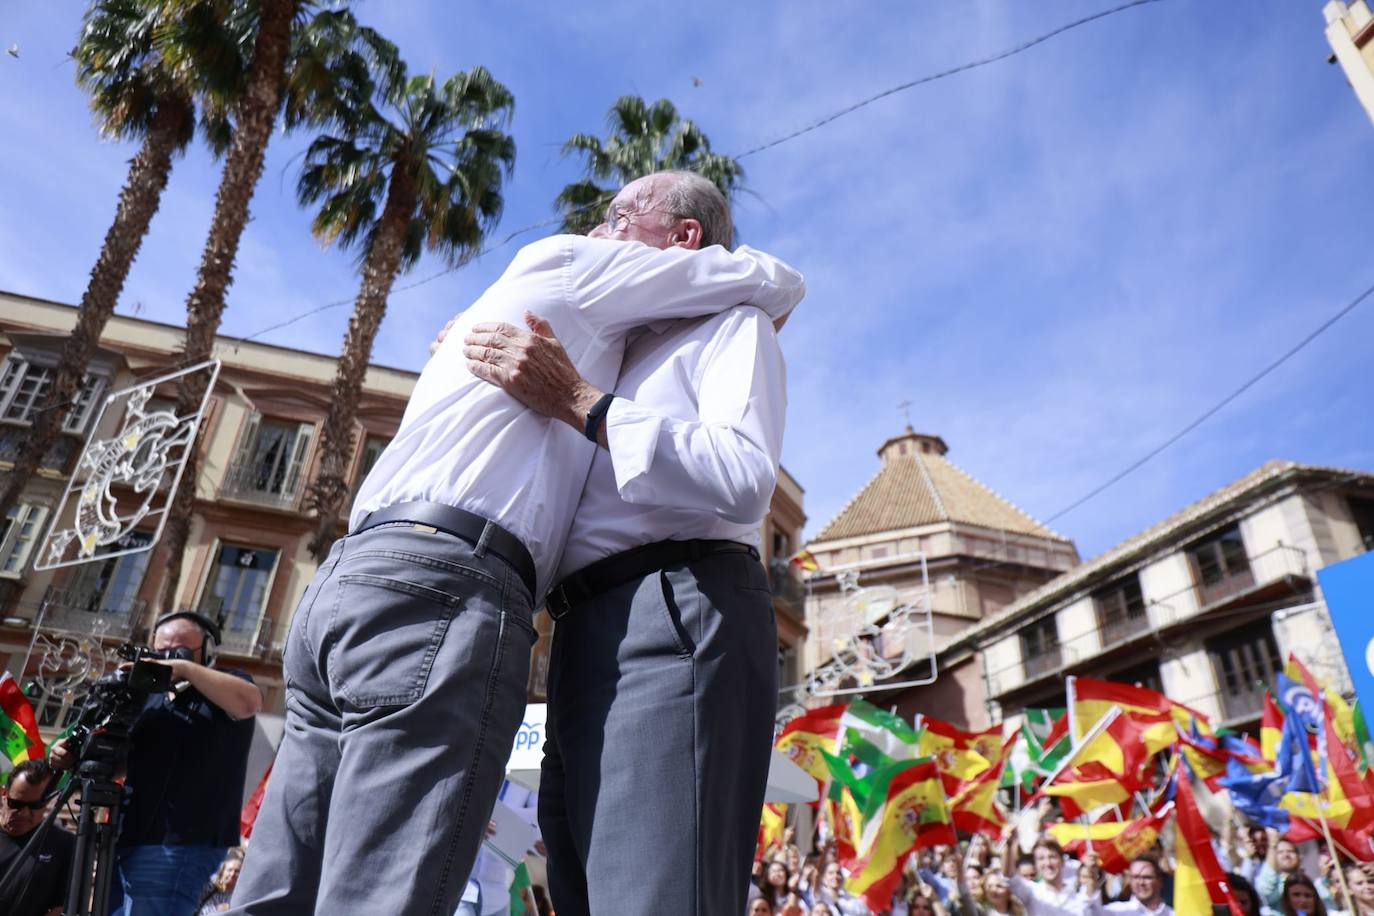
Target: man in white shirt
column 1054, row 893
column 1147, row 891
column 408, row 656
column 663, row 672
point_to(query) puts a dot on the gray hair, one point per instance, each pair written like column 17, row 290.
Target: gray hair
column 692, row 197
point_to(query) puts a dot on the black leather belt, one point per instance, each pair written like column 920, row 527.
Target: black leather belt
column 459, row 523
column 604, row 575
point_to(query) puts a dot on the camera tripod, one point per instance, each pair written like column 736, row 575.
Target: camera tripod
column 92, row 867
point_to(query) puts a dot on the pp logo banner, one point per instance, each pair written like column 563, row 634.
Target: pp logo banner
column 1349, row 591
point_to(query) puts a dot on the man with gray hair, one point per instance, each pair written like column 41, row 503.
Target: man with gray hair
column 408, row 657
column 663, row 673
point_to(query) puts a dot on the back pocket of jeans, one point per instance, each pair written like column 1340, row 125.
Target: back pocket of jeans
column 383, row 638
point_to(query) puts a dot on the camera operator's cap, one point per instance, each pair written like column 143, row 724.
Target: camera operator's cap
column 210, row 628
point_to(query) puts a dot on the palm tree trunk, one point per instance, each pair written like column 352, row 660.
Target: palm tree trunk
column 138, row 202
column 330, row 489
column 254, row 117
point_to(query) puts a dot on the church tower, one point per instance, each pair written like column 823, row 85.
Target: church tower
column 979, row 552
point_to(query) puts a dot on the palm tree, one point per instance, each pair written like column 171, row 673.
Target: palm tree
column 643, row 139
column 139, row 88
column 310, row 66
column 422, row 168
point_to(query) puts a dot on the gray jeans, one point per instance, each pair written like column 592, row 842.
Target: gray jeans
column 405, row 671
column 662, row 695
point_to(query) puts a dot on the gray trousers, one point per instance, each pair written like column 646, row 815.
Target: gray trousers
column 405, row 671
column 662, row 695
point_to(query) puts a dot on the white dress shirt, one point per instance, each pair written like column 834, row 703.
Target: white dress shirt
column 1134, row 907
column 1040, row 899
column 695, row 434
column 465, row 443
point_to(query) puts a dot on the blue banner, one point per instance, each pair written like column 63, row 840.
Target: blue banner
column 1349, row 591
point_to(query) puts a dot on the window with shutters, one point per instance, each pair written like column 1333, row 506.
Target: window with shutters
column 1040, row 647
column 1121, row 610
column 1220, row 565
column 235, row 594
column 18, row 535
column 269, row 466
column 24, row 383
column 1245, row 660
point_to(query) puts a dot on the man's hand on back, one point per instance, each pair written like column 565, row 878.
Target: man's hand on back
column 532, row 367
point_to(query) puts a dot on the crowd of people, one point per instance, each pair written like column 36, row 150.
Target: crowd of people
column 1267, row 875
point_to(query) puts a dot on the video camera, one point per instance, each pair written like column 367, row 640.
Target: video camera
column 114, row 703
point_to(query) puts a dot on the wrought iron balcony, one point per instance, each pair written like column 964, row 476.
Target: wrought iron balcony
column 1118, row 628
column 78, row 610
column 257, row 482
column 253, row 641
column 1043, row 662
column 1277, row 563
column 787, row 584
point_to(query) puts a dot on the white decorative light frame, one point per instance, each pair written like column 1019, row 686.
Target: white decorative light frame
column 148, row 446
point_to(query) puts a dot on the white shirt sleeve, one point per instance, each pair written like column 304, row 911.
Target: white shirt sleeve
column 726, row 459
column 615, row 286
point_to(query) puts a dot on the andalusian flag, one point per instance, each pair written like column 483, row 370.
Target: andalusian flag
column 906, row 812
column 884, row 730
column 518, row 885
column 1090, row 700
column 1116, row 843
column 18, row 725
column 975, row 808
column 1042, row 743
column 1199, row 879
column 806, row 737
column 845, row 801
column 956, row 752
column 1362, row 739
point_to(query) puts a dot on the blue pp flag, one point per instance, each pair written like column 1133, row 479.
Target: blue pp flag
column 1256, row 795
column 1295, row 757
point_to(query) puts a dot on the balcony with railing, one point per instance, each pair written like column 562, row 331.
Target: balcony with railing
column 262, row 483
column 1047, row 659
column 787, row 583
column 254, row 640
column 79, row 610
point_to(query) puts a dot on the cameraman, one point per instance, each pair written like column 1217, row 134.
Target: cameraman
column 40, row 886
column 186, row 768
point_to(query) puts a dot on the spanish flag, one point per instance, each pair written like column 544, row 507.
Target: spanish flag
column 956, row 752
column 1116, row 843
column 1271, row 729
column 806, row 737
column 770, row 828
column 975, row 808
column 806, row 560
column 907, row 811
column 1105, row 768
column 1090, row 700
column 1199, row 880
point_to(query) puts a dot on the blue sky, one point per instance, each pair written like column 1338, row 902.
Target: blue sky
column 1059, row 259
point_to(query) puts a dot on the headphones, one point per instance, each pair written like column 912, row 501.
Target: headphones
column 207, row 626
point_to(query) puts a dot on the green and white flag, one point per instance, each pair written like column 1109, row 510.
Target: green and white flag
column 886, row 731
column 1041, row 746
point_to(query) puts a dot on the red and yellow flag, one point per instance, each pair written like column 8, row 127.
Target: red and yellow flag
column 805, row 559
column 910, row 814
column 1199, row 879
column 1271, row 729
column 771, row 828
column 1116, row 843
column 960, row 756
column 975, row 809
column 805, row 737
column 1090, row 700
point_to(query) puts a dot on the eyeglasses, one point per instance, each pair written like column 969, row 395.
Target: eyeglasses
column 17, row 805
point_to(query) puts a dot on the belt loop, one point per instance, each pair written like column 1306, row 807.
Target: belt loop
column 480, row 550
